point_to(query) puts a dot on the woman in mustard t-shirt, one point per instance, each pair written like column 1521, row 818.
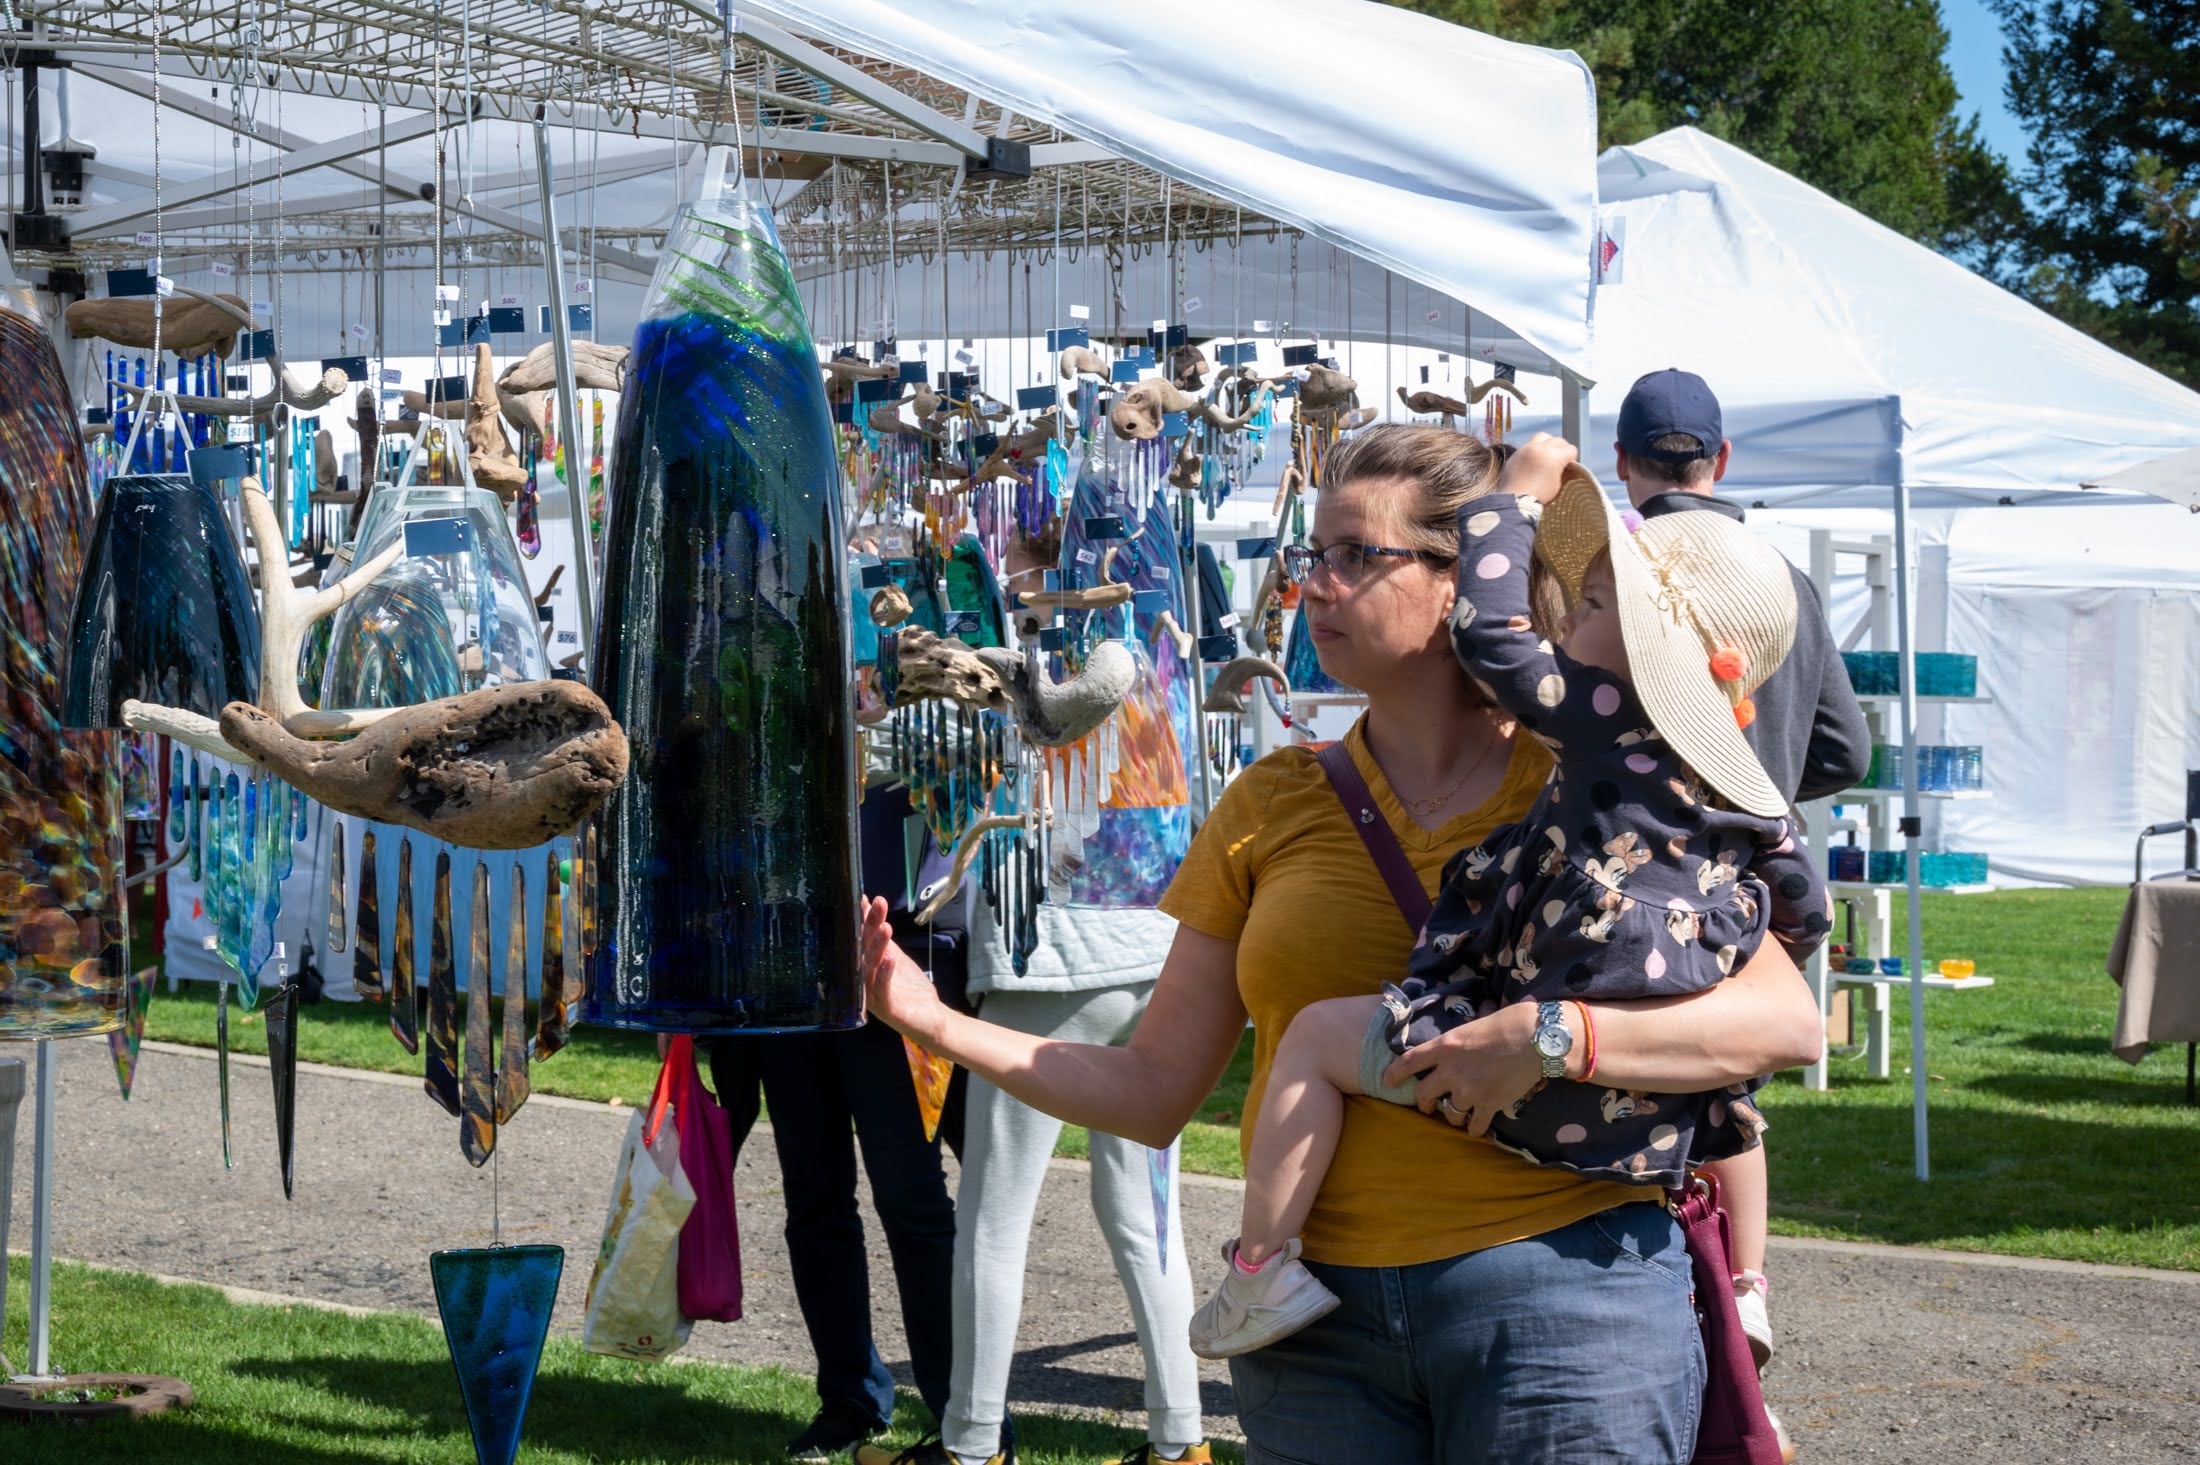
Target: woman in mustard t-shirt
column 1491, row 1310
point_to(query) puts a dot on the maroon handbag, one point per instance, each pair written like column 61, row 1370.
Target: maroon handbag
column 1733, row 1428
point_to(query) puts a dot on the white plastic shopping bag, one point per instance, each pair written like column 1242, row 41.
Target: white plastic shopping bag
column 634, row 1293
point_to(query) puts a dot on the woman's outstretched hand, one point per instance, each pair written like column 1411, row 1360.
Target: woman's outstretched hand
column 899, row 993
column 1535, row 470
column 1483, row 1067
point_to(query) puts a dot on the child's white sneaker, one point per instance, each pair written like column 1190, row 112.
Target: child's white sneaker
column 1253, row 1309
column 1750, row 1290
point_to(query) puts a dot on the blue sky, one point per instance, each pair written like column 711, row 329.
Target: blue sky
column 1974, row 56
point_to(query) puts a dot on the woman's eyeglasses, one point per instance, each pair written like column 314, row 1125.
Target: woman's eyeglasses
column 1346, row 562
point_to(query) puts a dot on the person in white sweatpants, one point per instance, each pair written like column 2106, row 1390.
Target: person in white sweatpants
column 1087, row 982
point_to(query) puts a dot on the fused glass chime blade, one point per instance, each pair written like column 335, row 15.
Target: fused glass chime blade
column 282, row 1062
column 512, row 1084
column 477, row 1131
column 221, row 1066
column 495, row 1304
column 404, row 1003
column 125, row 1040
column 553, row 1016
column 198, row 825
column 339, row 930
column 179, row 789
column 366, row 954
column 442, row 1038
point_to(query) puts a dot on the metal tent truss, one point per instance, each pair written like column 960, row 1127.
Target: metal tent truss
column 843, row 133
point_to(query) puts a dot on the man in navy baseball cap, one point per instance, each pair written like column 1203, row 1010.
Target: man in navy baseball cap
column 1670, row 435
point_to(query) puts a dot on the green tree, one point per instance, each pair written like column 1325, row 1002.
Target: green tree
column 1852, row 96
column 2106, row 89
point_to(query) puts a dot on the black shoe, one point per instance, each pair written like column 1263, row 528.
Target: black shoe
column 927, row 1452
column 840, row 1425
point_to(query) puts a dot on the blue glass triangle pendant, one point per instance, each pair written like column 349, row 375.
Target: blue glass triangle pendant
column 496, row 1304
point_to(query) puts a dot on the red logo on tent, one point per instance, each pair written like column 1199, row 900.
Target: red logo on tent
column 1607, row 251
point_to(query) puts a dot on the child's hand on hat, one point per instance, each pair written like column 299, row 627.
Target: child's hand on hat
column 1536, row 469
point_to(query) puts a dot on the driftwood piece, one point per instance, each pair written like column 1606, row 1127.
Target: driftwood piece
column 1325, row 390
column 291, row 389
column 1188, row 368
column 325, row 467
column 524, row 411
column 941, row 667
column 503, row 768
column 1053, row 714
column 595, row 368
column 890, row 607
column 1083, row 361
column 1228, row 692
column 1137, row 413
column 496, row 467
column 189, row 327
column 1436, row 402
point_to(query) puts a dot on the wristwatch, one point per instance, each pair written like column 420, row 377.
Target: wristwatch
column 1553, row 1040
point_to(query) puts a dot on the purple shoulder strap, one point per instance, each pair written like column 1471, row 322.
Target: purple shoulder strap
column 1375, row 832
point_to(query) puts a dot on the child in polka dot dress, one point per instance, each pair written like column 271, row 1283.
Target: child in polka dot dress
column 1654, row 862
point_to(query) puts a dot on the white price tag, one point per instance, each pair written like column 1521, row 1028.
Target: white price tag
column 1080, row 312
column 145, row 239
column 1261, row 327
column 508, row 301
column 569, row 638
column 1161, row 572
column 1191, row 306
column 163, row 286
column 964, row 356
column 280, row 954
column 210, row 944
column 1443, row 356
column 262, row 307
column 1160, row 325
column 392, row 375
column 1228, row 622
column 1086, row 556
column 358, row 330
column 1435, row 315
column 584, row 287
column 446, row 292
column 223, row 269
column 442, row 317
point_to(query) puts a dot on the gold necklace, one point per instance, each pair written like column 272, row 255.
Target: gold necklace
column 1432, row 804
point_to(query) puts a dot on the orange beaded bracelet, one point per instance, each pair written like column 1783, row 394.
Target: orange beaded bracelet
column 1589, row 1040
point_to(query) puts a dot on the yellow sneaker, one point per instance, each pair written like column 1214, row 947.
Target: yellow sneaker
column 1198, row 1454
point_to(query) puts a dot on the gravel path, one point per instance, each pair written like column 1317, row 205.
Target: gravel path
column 1888, row 1355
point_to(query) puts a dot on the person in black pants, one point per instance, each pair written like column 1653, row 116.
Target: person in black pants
column 830, row 1094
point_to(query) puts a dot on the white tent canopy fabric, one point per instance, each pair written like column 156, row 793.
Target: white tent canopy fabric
column 1848, row 358
column 1370, row 129
column 2175, row 478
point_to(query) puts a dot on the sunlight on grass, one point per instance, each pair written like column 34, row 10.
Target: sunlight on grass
column 304, row 1386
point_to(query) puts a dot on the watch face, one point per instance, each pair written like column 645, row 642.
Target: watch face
column 1553, row 1042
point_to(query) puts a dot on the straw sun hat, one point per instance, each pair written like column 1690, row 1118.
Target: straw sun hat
column 1706, row 611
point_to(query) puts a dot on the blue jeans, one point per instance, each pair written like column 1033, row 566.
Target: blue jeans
column 1579, row 1345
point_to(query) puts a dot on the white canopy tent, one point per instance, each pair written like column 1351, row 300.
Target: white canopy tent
column 1855, row 368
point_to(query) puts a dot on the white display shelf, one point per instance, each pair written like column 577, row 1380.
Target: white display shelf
column 1872, row 795
column 1865, row 887
column 1922, row 697
column 1935, row 981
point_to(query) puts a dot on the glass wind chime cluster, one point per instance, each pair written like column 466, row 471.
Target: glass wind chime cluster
column 164, row 445
column 1104, row 820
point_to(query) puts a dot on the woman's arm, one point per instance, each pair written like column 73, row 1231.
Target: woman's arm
column 1760, row 1020
column 1146, row 1090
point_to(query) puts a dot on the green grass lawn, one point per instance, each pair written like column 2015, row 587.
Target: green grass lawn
column 303, row 1386
column 2043, row 1143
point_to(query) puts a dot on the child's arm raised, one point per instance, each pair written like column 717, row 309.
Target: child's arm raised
column 1550, row 693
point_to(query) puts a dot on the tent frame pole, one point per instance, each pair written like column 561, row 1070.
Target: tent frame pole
column 1906, row 637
